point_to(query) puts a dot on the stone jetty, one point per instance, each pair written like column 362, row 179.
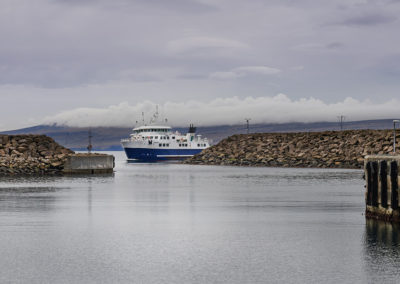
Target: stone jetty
column 31, row 154
column 329, row 149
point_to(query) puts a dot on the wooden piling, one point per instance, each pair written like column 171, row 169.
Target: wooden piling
column 382, row 187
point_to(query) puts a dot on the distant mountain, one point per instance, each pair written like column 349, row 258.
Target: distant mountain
column 107, row 138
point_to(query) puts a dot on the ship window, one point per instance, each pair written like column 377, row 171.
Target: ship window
column 167, row 145
column 163, row 145
column 168, row 137
column 198, row 145
column 159, row 145
column 151, row 137
column 155, row 137
column 173, row 137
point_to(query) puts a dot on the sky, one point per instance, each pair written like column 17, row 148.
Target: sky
column 209, row 62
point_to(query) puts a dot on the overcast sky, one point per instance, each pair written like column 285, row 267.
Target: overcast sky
column 101, row 62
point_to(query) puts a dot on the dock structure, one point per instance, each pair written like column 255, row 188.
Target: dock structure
column 90, row 163
column 382, row 187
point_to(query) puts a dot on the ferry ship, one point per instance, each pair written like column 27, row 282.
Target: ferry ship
column 158, row 142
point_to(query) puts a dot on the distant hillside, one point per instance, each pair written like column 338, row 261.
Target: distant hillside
column 107, row 138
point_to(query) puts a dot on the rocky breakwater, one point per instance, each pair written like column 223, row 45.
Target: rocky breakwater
column 330, row 149
column 31, row 154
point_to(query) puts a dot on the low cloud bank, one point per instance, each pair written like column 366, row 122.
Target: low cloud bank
column 230, row 111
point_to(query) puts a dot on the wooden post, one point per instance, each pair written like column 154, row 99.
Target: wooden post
column 383, row 183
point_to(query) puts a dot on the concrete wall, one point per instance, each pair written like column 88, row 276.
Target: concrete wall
column 382, row 187
column 89, row 164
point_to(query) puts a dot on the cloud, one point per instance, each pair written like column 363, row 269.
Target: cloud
column 334, row 45
column 57, row 55
column 228, row 111
column 318, row 46
column 371, row 19
column 195, row 45
column 244, row 71
column 297, row 68
column 186, row 6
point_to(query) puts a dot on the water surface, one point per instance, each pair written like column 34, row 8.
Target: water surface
column 172, row 223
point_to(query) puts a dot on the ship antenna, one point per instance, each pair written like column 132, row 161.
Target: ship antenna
column 143, row 117
column 156, row 114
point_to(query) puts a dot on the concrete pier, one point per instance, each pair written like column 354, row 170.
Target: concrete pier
column 382, row 187
column 89, row 164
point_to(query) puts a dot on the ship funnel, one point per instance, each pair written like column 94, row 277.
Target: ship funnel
column 192, row 129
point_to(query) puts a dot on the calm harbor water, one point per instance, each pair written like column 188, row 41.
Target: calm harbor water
column 172, row 223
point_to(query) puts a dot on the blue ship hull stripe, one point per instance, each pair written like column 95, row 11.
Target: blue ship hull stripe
column 146, row 154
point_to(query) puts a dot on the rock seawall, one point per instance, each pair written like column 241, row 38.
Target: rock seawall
column 330, row 149
column 31, row 154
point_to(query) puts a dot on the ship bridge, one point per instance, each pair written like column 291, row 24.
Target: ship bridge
column 152, row 128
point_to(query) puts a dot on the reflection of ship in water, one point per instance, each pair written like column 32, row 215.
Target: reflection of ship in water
column 382, row 251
